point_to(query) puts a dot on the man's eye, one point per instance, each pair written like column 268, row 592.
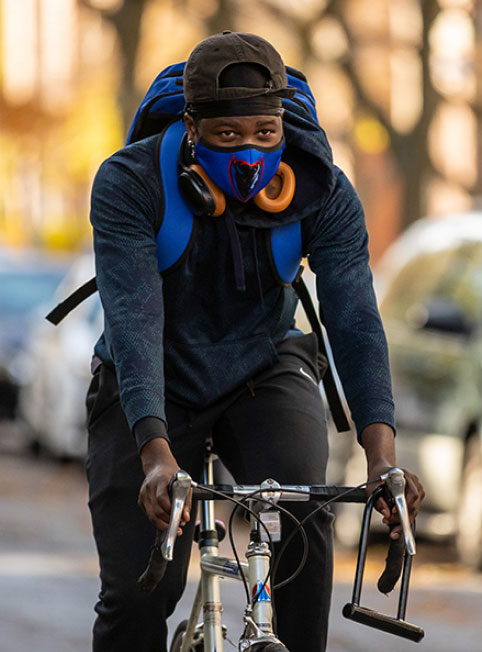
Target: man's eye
column 227, row 133
column 266, row 132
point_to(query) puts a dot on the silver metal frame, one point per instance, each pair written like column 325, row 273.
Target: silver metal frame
column 258, row 617
column 259, row 613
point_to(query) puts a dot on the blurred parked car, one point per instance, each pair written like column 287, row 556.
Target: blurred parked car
column 27, row 280
column 51, row 403
column 431, row 305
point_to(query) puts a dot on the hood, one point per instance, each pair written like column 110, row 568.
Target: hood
column 309, row 154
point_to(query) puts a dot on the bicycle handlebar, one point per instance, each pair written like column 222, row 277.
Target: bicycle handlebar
column 286, row 493
column 181, row 483
column 271, row 491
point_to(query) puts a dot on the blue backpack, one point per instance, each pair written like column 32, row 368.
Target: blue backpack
column 164, row 101
column 160, row 112
column 162, row 106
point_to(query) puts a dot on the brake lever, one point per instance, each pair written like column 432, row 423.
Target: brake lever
column 178, row 491
column 163, row 549
column 395, row 482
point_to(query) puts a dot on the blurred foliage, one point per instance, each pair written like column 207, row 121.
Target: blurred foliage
column 84, row 138
column 383, row 83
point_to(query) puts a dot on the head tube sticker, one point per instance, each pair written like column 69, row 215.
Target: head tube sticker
column 263, row 591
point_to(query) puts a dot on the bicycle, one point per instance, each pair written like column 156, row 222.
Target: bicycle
column 261, row 502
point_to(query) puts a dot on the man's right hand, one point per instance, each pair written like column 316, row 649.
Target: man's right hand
column 159, row 466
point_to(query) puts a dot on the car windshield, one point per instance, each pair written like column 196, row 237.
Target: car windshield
column 454, row 274
column 23, row 291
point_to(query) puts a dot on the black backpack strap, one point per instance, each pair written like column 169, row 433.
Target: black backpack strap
column 334, row 400
column 56, row 315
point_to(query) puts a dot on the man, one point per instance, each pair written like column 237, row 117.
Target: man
column 210, row 347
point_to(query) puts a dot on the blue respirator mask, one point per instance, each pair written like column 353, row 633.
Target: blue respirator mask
column 240, row 172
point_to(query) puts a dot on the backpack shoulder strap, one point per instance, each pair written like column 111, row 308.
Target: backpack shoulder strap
column 175, row 232
column 331, row 390
column 60, row 311
column 177, row 226
column 285, row 251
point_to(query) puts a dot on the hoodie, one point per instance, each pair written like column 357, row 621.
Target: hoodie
column 192, row 335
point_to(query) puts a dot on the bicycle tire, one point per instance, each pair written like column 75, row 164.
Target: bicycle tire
column 270, row 647
column 177, row 639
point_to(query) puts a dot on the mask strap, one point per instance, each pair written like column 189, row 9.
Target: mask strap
column 283, row 200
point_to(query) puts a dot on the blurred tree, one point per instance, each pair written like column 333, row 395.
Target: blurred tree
column 409, row 149
column 222, row 18
column 371, row 123
column 126, row 18
column 477, row 105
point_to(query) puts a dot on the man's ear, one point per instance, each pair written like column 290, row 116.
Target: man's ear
column 190, row 127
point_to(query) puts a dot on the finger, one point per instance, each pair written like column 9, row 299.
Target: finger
column 187, row 507
column 414, row 494
column 155, row 496
column 159, row 523
column 382, row 507
column 160, row 513
column 156, row 514
column 396, row 532
column 161, row 498
column 392, row 519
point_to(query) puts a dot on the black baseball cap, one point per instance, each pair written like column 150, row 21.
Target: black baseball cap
column 234, row 73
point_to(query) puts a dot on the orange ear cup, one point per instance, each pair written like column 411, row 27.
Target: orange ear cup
column 217, row 193
column 283, row 200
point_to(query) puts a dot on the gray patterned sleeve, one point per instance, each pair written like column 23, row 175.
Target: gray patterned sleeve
column 123, row 215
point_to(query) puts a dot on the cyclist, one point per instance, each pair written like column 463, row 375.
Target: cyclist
column 211, row 348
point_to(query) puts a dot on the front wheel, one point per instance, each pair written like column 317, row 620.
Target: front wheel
column 177, row 639
column 469, row 530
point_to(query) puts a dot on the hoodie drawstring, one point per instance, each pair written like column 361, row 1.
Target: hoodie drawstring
column 238, row 262
column 256, row 264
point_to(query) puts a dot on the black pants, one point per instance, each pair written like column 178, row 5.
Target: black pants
column 273, row 427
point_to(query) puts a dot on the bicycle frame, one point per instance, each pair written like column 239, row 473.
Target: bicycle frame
column 258, row 631
column 258, row 617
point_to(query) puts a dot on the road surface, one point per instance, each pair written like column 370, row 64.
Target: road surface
column 48, row 573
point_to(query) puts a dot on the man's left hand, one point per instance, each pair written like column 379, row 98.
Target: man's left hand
column 414, row 494
column 379, row 443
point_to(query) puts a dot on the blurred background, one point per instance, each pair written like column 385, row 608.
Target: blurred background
column 398, row 85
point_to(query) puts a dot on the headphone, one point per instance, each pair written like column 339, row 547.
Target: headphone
column 208, row 199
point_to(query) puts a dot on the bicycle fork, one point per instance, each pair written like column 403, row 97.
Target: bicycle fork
column 258, row 614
